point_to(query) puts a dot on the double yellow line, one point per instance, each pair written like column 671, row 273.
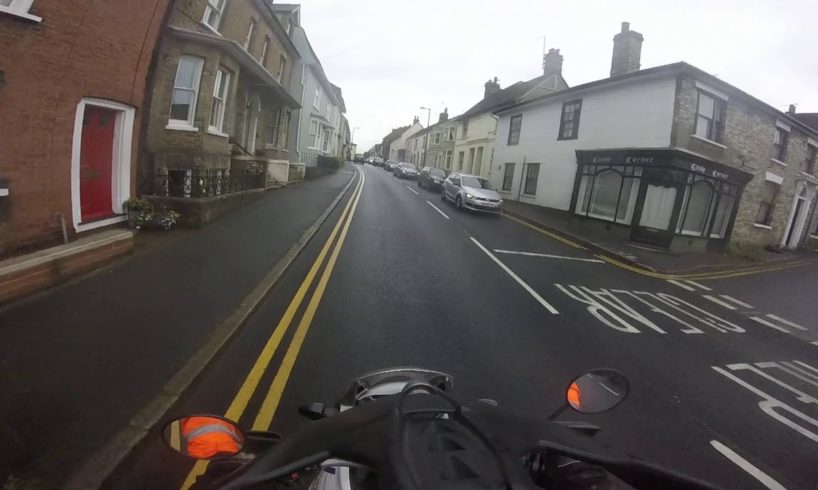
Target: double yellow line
column 251, row 382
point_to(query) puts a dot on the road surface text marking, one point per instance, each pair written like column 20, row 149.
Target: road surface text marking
column 549, row 256
column 412, row 191
column 437, row 209
column 239, row 404
column 618, row 309
column 786, row 322
column 767, row 323
column 719, row 302
column 681, row 285
column 736, row 301
column 698, row 285
column 514, row 276
column 745, row 465
column 772, row 406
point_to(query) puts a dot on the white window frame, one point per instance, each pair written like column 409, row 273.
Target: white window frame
column 214, row 6
column 222, row 84
column 315, row 138
column 251, row 29
column 20, row 8
column 188, row 123
column 121, row 173
column 316, row 101
column 264, row 48
column 282, row 63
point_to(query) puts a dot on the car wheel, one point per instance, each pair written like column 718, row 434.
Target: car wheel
column 419, row 183
column 443, row 195
column 459, row 203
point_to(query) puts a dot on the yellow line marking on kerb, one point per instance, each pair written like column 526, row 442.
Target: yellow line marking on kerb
column 546, row 233
column 271, row 401
column 239, row 404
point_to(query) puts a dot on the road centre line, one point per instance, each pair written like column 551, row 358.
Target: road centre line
column 239, row 404
column 273, row 397
column 719, row 302
column 786, row 322
column 412, row 190
column 548, row 256
column 514, row 276
column 745, row 465
column 736, row 301
column 437, row 209
column 681, row 285
column 768, row 324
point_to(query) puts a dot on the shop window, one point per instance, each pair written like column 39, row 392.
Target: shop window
column 710, row 117
column 508, row 176
column 723, row 211
column 532, row 174
column 696, row 208
column 605, row 195
column 764, row 216
column 608, row 193
column 514, row 129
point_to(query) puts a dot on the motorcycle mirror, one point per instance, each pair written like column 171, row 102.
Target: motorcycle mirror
column 597, row 391
column 204, row 437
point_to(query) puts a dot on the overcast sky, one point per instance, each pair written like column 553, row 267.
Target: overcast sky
column 392, row 57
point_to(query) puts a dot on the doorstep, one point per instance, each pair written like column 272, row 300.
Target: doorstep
column 27, row 274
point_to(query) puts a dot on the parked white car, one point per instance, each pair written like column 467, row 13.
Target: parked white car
column 471, row 192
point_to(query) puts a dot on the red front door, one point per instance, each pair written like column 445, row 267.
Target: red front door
column 96, row 163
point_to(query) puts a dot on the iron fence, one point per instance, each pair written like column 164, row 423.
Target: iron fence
column 206, row 182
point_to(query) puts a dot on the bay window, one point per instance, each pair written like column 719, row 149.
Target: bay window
column 185, row 91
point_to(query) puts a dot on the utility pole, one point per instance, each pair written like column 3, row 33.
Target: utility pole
column 428, row 121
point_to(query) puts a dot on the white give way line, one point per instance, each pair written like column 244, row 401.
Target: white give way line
column 437, row 209
column 514, row 276
column 689, row 285
column 745, row 465
column 548, row 256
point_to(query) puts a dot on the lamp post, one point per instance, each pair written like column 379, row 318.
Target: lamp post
column 428, row 120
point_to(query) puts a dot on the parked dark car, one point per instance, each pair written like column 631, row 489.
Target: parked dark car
column 390, row 165
column 405, row 170
column 431, row 178
column 376, row 161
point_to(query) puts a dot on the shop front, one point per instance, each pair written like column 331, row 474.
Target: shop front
column 669, row 198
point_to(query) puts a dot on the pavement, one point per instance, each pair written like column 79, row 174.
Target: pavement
column 81, row 360
column 644, row 257
column 514, row 312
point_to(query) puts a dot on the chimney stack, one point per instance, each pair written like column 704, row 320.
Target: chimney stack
column 415, row 121
column 444, row 116
column 491, row 87
column 627, row 51
column 791, row 110
column 552, row 62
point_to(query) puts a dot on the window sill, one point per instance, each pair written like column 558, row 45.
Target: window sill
column 763, row 227
column 22, row 15
column 211, row 29
column 814, row 237
column 182, row 127
column 710, row 142
column 216, row 132
column 779, row 162
column 525, row 194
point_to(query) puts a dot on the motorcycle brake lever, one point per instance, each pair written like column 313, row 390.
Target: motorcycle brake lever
column 581, row 427
column 316, row 411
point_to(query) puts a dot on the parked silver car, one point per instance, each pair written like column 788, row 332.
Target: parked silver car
column 405, row 170
column 471, row 192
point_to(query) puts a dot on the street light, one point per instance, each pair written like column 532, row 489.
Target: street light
column 428, row 120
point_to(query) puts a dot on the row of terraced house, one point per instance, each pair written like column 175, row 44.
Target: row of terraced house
column 669, row 156
column 193, row 104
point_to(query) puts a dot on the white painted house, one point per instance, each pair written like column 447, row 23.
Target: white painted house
column 669, row 156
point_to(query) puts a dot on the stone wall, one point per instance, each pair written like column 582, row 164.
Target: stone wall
column 747, row 144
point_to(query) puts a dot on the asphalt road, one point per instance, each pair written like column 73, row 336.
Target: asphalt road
column 418, row 283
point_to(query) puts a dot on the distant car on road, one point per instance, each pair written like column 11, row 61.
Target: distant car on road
column 405, row 170
column 377, row 161
column 471, row 192
column 389, row 166
column 431, row 178
column 359, row 158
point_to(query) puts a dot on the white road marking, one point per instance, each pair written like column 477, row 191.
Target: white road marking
column 814, row 342
column 719, row 302
column 416, row 192
column 786, row 322
column 683, row 286
column 698, row 285
column 437, row 209
column 768, row 324
column 548, row 256
column 745, row 465
column 514, row 276
column 738, row 302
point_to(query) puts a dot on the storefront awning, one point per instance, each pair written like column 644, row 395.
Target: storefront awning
column 668, row 157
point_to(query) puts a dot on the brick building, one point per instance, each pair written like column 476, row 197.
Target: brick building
column 220, row 110
column 72, row 83
column 669, row 156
